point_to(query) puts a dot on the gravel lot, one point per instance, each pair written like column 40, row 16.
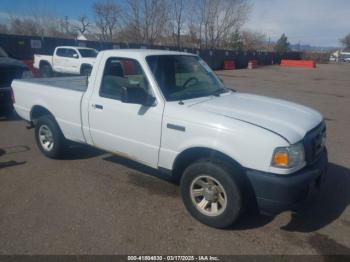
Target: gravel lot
column 96, row 203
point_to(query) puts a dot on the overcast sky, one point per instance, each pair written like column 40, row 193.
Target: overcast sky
column 315, row 22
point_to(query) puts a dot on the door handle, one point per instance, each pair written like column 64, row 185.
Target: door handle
column 97, row 106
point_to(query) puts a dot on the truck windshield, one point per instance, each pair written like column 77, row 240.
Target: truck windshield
column 88, row 52
column 183, row 77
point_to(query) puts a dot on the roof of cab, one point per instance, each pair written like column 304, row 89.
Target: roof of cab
column 142, row 52
column 79, row 47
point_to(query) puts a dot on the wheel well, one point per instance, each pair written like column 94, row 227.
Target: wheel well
column 43, row 62
column 38, row 111
column 185, row 158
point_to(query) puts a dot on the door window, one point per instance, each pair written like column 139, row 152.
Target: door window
column 70, row 53
column 119, row 73
column 61, row 52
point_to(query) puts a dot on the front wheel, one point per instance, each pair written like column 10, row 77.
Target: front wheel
column 211, row 194
column 49, row 137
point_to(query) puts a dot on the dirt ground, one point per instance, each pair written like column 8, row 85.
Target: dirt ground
column 96, row 203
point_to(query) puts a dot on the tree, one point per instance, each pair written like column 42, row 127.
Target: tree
column 65, row 26
column 346, row 42
column 146, row 20
column 216, row 20
column 282, row 44
column 83, row 24
column 253, row 40
column 25, row 26
column 236, row 41
column 107, row 16
column 177, row 20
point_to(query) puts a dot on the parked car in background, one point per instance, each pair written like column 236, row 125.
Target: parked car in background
column 66, row 60
column 168, row 110
column 344, row 57
column 9, row 69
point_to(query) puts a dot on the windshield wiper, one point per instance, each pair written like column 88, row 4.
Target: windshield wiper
column 220, row 91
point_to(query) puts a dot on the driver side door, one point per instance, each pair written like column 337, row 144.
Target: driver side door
column 132, row 130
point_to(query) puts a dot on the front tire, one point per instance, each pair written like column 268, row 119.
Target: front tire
column 211, row 193
column 49, row 137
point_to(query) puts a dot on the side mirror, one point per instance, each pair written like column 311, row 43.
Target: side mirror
column 136, row 95
column 75, row 56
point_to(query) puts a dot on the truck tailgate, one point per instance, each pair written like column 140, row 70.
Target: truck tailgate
column 60, row 96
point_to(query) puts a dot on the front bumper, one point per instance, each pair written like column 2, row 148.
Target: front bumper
column 276, row 193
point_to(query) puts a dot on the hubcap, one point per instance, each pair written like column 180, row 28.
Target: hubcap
column 208, row 195
column 46, row 138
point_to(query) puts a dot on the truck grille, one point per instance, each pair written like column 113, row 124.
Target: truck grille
column 7, row 75
column 314, row 142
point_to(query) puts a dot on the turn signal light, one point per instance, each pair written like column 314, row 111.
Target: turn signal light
column 281, row 158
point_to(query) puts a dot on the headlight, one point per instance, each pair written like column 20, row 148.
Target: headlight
column 288, row 157
column 27, row 74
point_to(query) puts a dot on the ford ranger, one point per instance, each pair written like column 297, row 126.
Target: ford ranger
column 168, row 110
column 66, row 60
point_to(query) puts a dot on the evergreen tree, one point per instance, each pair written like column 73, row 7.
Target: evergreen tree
column 236, row 41
column 282, row 44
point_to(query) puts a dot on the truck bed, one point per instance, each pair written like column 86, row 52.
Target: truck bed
column 61, row 96
column 75, row 83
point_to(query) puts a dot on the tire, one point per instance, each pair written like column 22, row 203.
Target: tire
column 46, row 70
column 48, row 130
column 85, row 71
column 221, row 176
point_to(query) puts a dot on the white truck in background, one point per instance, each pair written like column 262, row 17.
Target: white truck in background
column 66, row 60
column 168, row 110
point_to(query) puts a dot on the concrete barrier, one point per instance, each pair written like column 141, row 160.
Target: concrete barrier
column 298, row 63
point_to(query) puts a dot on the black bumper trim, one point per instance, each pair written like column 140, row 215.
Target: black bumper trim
column 275, row 193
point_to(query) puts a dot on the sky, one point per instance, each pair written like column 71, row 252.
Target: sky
column 314, row 22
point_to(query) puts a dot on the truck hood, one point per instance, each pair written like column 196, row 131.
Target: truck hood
column 289, row 120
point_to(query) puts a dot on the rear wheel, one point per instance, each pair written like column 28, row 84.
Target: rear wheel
column 211, row 194
column 49, row 137
column 46, row 70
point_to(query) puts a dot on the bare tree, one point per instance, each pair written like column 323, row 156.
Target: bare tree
column 25, row 26
column 146, row 19
column 216, row 20
column 65, row 26
column 346, row 42
column 107, row 18
column 83, row 25
column 253, row 40
column 177, row 19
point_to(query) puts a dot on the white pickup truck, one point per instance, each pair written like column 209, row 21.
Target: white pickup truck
column 67, row 60
column 168, row 110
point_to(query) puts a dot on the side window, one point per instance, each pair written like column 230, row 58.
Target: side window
column 70, row 53
column 61, row 52
column 119, row 73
